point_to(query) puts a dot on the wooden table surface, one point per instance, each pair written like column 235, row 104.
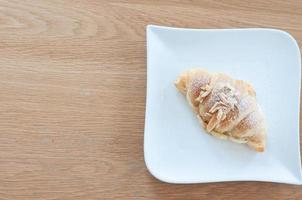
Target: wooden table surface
column 73, row 86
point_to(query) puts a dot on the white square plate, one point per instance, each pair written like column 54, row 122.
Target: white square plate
column 177, row 149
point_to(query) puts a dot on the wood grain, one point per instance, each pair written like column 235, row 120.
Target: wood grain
column 72, row 86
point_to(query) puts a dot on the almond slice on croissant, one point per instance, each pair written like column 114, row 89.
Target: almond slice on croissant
column 225, row 107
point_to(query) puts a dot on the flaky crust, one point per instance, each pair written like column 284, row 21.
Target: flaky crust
column 225, row 107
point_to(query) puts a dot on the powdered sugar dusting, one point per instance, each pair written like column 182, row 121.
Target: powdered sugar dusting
column 245, row 103
column 251, row 120
column 197, row 83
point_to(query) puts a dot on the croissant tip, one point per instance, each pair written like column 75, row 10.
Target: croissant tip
column 257, row 147
column 260, row 149
column 180, row 83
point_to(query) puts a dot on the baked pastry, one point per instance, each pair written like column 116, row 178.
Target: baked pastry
column 225, row 107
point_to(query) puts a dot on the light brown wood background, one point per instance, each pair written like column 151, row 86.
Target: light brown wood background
column 73, row 85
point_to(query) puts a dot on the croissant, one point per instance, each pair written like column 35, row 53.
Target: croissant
column 225, row 107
